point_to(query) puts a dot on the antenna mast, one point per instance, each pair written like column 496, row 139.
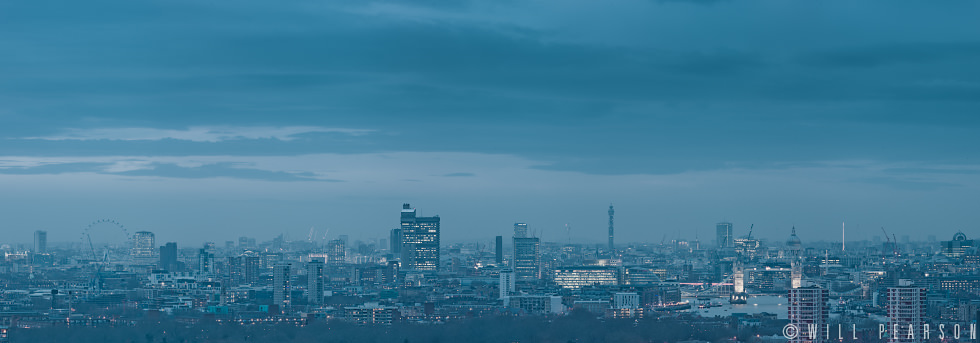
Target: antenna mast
column 611, row 212
column 568, row 232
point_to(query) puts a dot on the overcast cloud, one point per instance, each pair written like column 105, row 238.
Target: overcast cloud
column 259, row 117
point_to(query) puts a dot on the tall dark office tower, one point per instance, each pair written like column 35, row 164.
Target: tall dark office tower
column 724, row 237
column 420, row 241
column 527, row 254
column 500, row 250
column 336, row 252
column 40, row 242
column 314, row 277
column 168, row 257
column 611, row 212
column 396, row 241
column 389, row 275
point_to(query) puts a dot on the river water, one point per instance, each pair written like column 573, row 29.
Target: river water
column 756, row 304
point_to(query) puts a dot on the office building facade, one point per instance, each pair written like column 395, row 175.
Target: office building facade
column 143, row 244
column 527, row 254
column 957, row 247
column 582, row 276
column 420, row 241
column 723, row 235
column 40, row 242
column 336, row 252
column 396, row 241
column 499, row 245
column 168, row 257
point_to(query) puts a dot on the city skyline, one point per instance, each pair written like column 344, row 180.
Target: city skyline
column 696, row 171
column 111, row 234
column 785, row 291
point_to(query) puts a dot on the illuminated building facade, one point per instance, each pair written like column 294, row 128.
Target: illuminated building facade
column 420, row 241
column 958, row 246
column 906, row 310
column 578, row 277
column 144, row 245
column 527, row 254
column 314, row 284
column 808, row 310
column 281, row 285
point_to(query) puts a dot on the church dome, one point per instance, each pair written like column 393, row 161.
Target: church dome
column 794, row 240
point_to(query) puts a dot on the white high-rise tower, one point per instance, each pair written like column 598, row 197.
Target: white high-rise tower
column 796, row 275
column 508, row 283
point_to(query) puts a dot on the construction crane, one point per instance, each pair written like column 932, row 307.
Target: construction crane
column 750, row 231
column 892, row 241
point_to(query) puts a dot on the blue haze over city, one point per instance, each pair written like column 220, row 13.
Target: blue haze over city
column 695, row 171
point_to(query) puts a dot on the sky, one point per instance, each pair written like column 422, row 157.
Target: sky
column 209, row 120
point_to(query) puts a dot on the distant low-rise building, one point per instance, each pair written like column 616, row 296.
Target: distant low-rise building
column 582, row 276
column 625, row 305
column 955, row 285
column 371, row 313
column 536, row 304
column 957, row 247
column 594, row 306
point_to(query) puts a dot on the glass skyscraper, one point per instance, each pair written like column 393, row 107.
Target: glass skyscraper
column 724, row 235
column 526, row 254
